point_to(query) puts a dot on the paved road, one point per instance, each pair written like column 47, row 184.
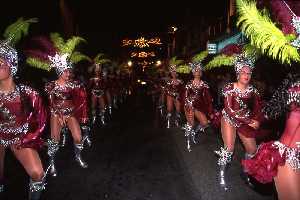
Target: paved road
column 129, row 160
column 135, row 158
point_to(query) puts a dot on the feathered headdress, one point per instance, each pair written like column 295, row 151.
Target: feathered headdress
column 264, row 34
column 294, row 93
column 243, row 60
column 99, row 60
column 55, row 53
column 174, row 63
column 288, row 92
column 13, row 34
column 236, row 55
column 196, row 64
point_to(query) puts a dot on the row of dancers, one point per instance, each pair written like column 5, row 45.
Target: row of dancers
column 242, row 115
column 24, row 115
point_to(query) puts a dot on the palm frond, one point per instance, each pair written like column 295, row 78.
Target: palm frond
column 100, row 58
column 174, row 61
column 200, row 56
column 76, row 57
column 290, row 37
column 57, row 40
column 183, row 69
column 264, row 34
column 220, row 60
column 14, row 32
column 71, row 44
column 252, row 51
column 37, row 63
column 104, row 60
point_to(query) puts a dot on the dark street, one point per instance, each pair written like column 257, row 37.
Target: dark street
column 135, row 158
column 158, row 100
column 129, row 159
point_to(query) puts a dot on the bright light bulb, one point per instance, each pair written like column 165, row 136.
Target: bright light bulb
column 158, row 62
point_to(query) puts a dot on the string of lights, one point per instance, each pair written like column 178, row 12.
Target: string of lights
column 142, row 54
column 141, row 42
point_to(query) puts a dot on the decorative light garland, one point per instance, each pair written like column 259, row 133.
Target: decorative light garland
column 141, row 42
column 142, row 54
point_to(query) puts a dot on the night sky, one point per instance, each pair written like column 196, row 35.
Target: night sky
column 104, row 24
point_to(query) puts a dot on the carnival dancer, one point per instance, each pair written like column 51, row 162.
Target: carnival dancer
column 115, row 84
column 114, row 88
column 241, row 115
column 97, row 86
column 198, row 104
column 67, row 97
column 174, row 88
column 161, row 85
column 280, row 159
column 22, row 114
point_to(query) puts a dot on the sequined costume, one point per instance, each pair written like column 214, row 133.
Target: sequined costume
column 174, row 88
column 240, row 107
column 22, row 114
column 68, row 100
column 198, row 97
column 264, row 165
column 22, row 117
column 97, row 86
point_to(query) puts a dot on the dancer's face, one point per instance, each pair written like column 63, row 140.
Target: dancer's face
column 66, row 75
column 244, row 76
column 97, row 73
column 197, row 74
column 4, row 70
column 173, row 74
column 98, row 68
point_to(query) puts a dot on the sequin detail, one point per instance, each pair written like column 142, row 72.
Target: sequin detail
column 292, row 155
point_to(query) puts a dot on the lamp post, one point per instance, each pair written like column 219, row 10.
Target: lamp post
column 230, row 13
column 172, row 31
column 67, row 18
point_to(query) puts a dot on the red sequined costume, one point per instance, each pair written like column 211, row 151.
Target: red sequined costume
column 97, row 86
column 174, row 88
column 68, row 100
column 264, row 165
column 198, row 97
column 22, row 118
column 240, row 107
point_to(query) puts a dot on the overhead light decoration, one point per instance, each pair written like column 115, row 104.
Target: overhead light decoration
column 145, row 63
column 142, row 54
column 158, row 63
column 155, row 41
column 141, row 42
column 126, row 42
column 173, row 29
column 129, row 63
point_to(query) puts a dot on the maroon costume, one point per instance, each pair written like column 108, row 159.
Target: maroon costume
column 97, row 86
column 198, row 97
column 22, row 117
column 264, row 165
column 69, row 100
column 174, row 88
column 240, row 107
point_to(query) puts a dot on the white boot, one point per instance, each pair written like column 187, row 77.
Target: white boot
column 224, row 160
